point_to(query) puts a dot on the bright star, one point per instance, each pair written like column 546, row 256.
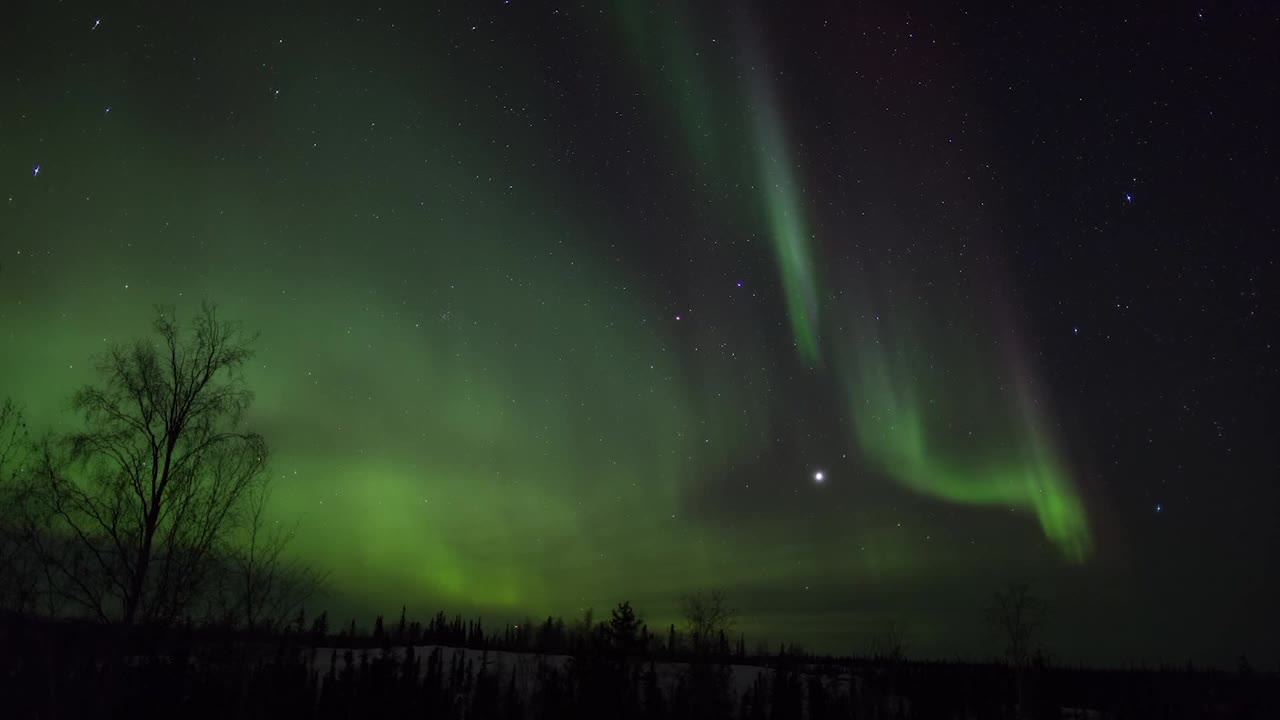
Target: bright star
column 819, row 476
column 1159, row 507
column 96, row 23
column 1128, row 198
column 36, row 172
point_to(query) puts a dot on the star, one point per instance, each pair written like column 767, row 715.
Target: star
column 819, row 476
column 1159, row 507
column 96, row 23
column 36, row 172
column 1128, row 197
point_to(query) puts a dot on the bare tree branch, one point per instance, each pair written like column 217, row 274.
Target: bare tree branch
column 708, row 617
column 162, row 467
column 1017, row 616
column 263, row 586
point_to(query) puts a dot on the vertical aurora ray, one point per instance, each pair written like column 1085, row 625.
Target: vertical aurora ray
column 666, row 41
column 787, row 230
column 712, row 121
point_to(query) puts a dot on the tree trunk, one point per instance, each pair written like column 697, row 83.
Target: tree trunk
column 139, row 579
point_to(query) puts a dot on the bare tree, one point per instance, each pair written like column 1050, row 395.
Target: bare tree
column 708, row 617
column 263, row 586
column 1017, row 617
column 889, row 641
column 19, row 566
column 585, row 630
column 161, row 467
column 13, row 431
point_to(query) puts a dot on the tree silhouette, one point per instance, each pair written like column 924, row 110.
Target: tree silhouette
column 320, row 627
column 584, row 631
column 624, row 627
column 12, row 438
column 708, row 617
column 19, row 566
column 1017, row 616
column 889, row 642
column 163, row 467
column 263, row 585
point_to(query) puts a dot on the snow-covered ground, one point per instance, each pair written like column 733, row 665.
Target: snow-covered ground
column 500, row 664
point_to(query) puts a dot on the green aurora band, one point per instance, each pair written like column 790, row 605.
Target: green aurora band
column 717, row 122
column 472, row 400
column 1016, row 466
column 905, row 408
column 791, row 241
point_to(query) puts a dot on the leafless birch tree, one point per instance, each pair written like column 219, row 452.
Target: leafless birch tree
column 146, row 490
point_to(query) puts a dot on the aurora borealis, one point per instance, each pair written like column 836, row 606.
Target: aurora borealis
column 564, row 305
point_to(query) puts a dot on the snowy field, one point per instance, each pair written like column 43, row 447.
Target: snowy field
column 501, row 663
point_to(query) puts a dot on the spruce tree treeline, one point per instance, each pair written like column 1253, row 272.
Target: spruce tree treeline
column 77, row 670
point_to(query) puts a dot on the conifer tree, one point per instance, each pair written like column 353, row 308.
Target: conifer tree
column 623, row 626
column 320, row 626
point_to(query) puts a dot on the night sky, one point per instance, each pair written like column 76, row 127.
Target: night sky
column 858, row 313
